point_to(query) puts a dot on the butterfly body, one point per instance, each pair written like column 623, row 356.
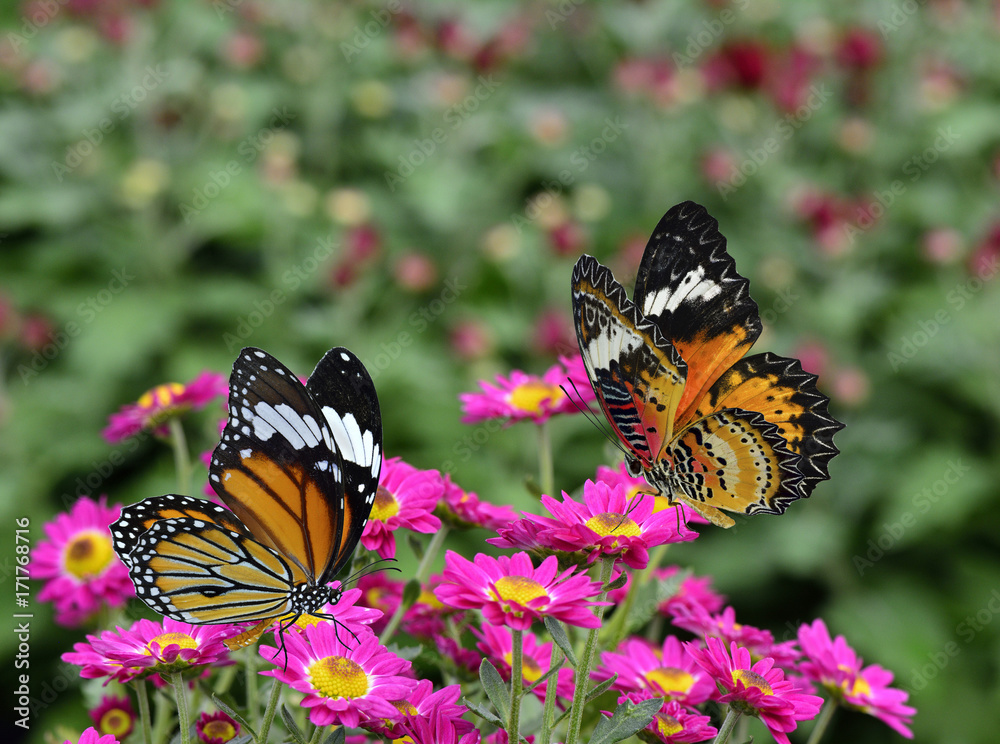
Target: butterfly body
column 298, row 467
column 704, row 424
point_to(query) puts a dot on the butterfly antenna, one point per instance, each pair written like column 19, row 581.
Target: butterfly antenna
column 589, row 414
column 369, row 569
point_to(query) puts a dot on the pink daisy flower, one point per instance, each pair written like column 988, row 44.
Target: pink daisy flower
column 669, row 672
column 426, row 618
column 149, row 647
column 534, row 537
column 510, row 591
column 113, row 716
column 92, row 736
column 674, row 724
column 463, row 509
column 157, row 406
column 406, row 497
column 380, row 592
column 438, row 728
column 835, row 665
column 216, row 728
column 520, row 397
column 79, row 563
column 635, row 485
column 463, row 659
column 496, row 645
column 759, row 689
column 577, row 379
column 760, row 643
column 694, row 593
column 607, row 523
column 422, row 702
column 343, row 684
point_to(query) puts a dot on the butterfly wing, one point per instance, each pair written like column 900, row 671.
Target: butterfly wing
column 637, row 374
column 687, row 285
column 733, row 460
column 135, row 519
column 277, row 467
column 345, row 394
column 786, row 396
column 203, row 573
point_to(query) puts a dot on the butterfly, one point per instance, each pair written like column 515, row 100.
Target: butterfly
column 298, row 466
column 704, row 424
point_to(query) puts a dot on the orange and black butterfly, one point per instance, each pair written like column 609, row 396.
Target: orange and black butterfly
column 298, row 466
column 704, row 424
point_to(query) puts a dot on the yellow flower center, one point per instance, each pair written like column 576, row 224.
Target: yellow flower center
column 529, row 667
column 752, row 679
column 405, row 707
column 518, row 589
column 670, row 680
column 427, row 598
column 219, row 730
column 667, row 725
column 166, row 639
column 88, row 554
column 338, row 677
column 116, row 722
column 610, row 523
column 385, row 505
column 660, row 503
column 860, row 687
column 531, row 396
column 161, row 396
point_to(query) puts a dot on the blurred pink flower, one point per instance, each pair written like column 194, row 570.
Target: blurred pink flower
column 496, row 644
column 155, row 407
column 216, row 728
column 406, row 497
column 113, row 715
column 79, row 564
column 461, row 508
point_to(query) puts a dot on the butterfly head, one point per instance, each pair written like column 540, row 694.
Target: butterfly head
column 308, row 599
column 634, row 466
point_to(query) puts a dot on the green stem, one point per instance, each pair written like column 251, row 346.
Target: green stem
column 546, row 474
column 272, row 706
column 314, row 739
column 423, row 571
column 516, row 685
column 549, row 709
column 822, row 721
column 144, row 718
column 182, row 458
column 183, row 714
column 253, row 696
column 616, row 630
column 732, row 716
column 587, row 660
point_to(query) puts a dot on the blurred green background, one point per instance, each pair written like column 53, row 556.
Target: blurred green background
column 415, row 182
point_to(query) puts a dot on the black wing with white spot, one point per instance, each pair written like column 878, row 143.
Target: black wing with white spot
column 277, row 466
column 136, row 519
column 344, row 392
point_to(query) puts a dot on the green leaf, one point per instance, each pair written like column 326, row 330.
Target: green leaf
column 337, row 736
column 483, row 712
column 626, row 721
column 228, row 710
column 560, row 638
column 541, row 680
column 292, row 727
column 495, row 688
column 601, row 688
column 411, row 592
